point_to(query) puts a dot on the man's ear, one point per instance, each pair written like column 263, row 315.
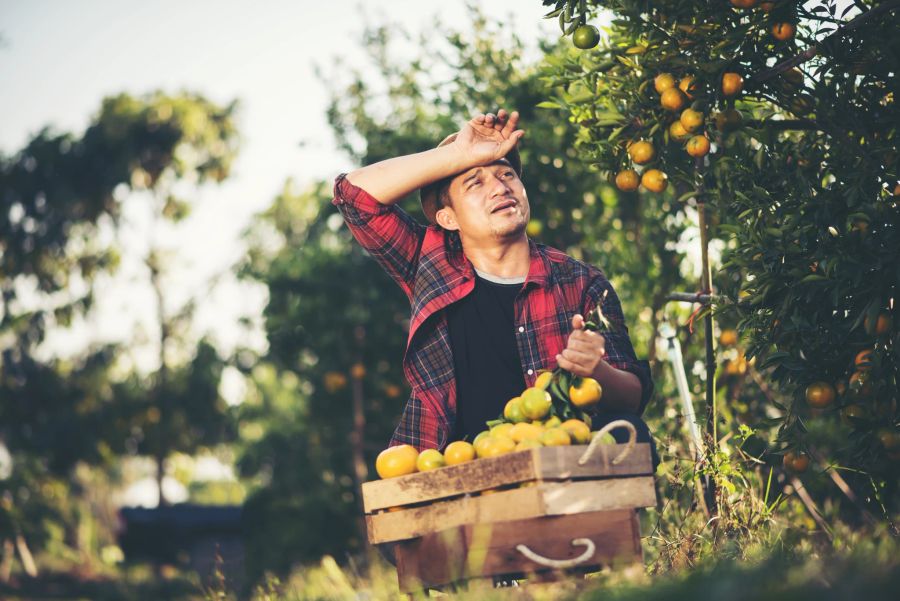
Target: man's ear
column 446, row 218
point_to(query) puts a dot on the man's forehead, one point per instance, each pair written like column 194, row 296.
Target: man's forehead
column 464, row 174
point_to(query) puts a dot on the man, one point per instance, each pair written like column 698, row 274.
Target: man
column 490, row 308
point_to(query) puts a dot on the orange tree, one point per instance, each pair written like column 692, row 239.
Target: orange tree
column 777, row 123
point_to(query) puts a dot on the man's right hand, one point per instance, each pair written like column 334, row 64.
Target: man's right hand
column 488, row 137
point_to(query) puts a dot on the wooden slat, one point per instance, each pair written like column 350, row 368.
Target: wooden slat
column 546, row 498
column 546, row 463
column 560, row 463
column 482, row 550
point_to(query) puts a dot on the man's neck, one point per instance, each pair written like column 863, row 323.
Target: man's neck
column 505, row 259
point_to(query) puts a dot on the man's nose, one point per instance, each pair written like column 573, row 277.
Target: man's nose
column 500, row 187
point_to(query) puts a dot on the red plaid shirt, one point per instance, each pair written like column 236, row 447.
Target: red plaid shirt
column 429, row 265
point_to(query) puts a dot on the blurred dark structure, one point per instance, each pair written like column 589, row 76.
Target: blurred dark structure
column 203, row 538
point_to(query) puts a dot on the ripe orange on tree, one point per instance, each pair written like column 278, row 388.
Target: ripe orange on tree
column 677, row 131
column 627, row 181
column 641, row 152
column 358, row 371
column 859, row 382
column 796, row 462
column 732, row 83
column 691, row 119
column 687, row 86
column 766, row 6
column 882, row 324
column 698, row 146
column 586, row 37
column 672, row 99
column 743, row 3
column 585, row 392
column 663, row 82
column 819, row 394
column 853, row 413
column 783, row 31
column 889, row 438
column 728, row 337
column 458, row 452
column 863, row 360
column 396, row 461
column 654, row 180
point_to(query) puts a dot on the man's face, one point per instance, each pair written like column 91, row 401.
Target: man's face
column 487, row 203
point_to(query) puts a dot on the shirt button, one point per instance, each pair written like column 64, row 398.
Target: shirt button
column 530, row 371
column 521, row 329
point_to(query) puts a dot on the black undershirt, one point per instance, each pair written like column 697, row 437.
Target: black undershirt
column 485, row 355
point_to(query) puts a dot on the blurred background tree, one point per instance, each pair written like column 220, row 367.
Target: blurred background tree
column 62, row 198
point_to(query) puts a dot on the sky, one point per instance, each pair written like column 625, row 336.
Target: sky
column 59, row 59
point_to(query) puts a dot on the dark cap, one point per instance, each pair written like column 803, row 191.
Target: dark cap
column 429, row 194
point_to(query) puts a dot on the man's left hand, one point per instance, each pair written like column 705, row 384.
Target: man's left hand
column 584, row 352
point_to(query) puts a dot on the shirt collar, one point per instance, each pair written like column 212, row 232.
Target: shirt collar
column 538, row 271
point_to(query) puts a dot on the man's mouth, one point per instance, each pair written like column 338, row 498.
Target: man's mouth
column 503, row 205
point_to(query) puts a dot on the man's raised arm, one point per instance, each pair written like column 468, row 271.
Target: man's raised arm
column 483, row 139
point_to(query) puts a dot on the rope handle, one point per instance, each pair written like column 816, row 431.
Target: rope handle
column 560, row 563
column 595, row 442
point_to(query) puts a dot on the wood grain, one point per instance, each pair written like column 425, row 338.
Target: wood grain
column 545, row 498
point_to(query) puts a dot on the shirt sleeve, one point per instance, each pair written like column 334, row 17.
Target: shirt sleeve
column 619, row 351
column 387, row 232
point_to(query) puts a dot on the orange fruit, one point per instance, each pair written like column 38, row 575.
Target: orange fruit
column 494, row 446
column 796, row 462
column 783, row 31
column 528, row 443
column 677, row 131
column 890, row 439
column 502, row 429
column 663, row 82
column 897, row 190
column 792, row 80
column 863, row 360
column 672, row 99
column 458, row 452
column 513, row 410
column 743, row 3
column 552, row 422
column 819, row 394
column 728, row 337
column 555, row 437
column 585, row 392
column 579, row 431
column 543, row 380
column 536, row 403
column 687, row 86
column 526, row 431
column 430, row 459
column 698, row 146
column 691, row 119
column 396, row 461
column 654, row 180
column 731, row 84
column 626, row 181
column 766, row 6
column 859, row 382
column 358, row 371
column 853, row 412
column 882, row 326
column 641, row 152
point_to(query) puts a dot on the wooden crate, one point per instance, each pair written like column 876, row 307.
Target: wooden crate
column 499, row 517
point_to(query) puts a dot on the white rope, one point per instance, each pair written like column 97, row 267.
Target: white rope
column 595, row 442
column 560, row 563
